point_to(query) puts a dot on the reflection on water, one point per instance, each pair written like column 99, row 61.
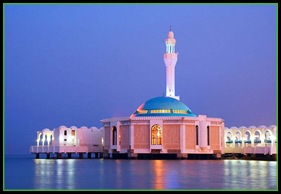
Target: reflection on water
column 62, row 171
column 110, row 174
column 254, row 174
column 158, row 170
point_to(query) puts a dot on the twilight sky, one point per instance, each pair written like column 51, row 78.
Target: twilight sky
column 74, row 65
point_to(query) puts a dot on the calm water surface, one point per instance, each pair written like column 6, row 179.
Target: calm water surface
column 28, row 173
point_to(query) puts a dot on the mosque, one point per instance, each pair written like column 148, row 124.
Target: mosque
column 162, row 126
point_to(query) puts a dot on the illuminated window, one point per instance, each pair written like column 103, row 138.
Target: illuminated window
column 156, row 135
column 142, row 111
column 180, row 111
column 161, row 111
column 73, row 132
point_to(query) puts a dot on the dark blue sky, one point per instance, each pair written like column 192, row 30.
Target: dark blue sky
column 74, row 65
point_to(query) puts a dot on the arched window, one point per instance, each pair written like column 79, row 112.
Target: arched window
column 197, row 135
column 46, row 140
column 238, row 139
column 41, row 139
column 229, row 137
column 65, row 132
column 114, row 135
column 208, row 135
column 156, row 135
column 257, row 137
column 267, row 138
column 51, row 140
column 247, row 138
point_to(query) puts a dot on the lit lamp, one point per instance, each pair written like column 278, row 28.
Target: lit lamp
column 48, row 141
column 233, row 141
column 43, row 141
column 252, row 140
column 37, row 140
column 38, row 137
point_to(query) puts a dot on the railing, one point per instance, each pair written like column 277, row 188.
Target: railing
column 250, row 150
column 65, row 149
column 236, row 150
column 44, row 149
column 259, row 150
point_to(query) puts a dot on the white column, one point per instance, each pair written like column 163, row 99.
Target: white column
column 203, row 134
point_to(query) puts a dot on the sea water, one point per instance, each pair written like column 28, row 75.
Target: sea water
column 28, row 173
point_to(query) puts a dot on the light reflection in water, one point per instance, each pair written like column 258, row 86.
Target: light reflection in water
column 43, row 173
column 60, row 172
column 153, row 174
column 159, row 179
column 252, row 174
column 70, row 173
column 119, row 173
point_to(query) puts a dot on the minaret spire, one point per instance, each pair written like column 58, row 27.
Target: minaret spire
column 170, row 59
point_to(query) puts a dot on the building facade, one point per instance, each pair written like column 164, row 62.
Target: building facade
column 70, row 140
column 251, row 140
column 163, row 134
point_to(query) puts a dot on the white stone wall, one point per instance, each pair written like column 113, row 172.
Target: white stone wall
column 69, row 139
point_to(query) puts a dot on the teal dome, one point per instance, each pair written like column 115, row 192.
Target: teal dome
column 163, row 106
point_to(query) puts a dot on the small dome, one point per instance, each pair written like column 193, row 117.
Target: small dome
column 163, row 106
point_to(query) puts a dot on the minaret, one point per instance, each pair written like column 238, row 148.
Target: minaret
column 170, row 59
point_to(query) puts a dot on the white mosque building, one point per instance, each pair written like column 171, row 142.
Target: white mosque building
column 163, row 126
